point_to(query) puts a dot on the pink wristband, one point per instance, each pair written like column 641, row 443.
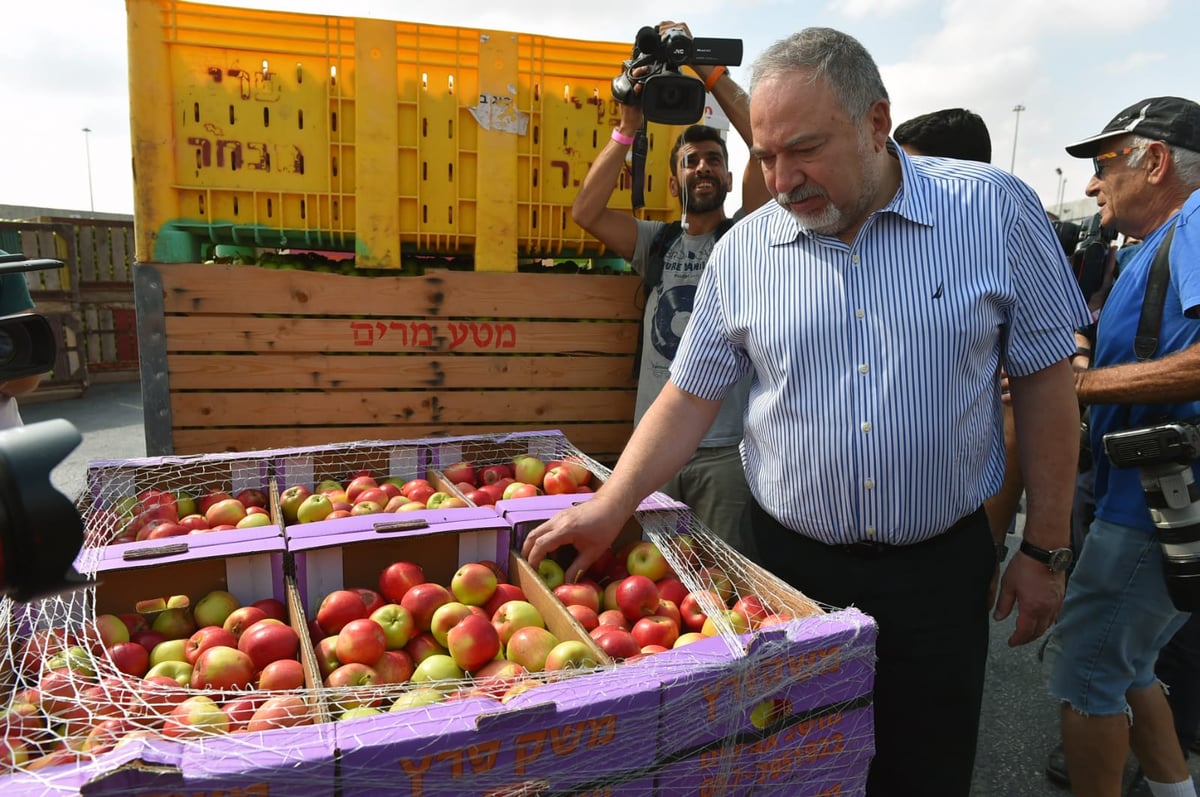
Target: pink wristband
column 621, row 138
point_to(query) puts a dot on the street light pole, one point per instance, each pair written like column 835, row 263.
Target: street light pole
column 1016, row 127
column 1062, row 184
column 87, row 147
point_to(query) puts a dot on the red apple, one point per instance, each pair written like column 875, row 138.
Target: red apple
column 480, row 497
column 578, row 594
column 229, row 510
column 618, row 643
column 253, row 497
column 489, row 474
column 207, row 637
column 280, row 711
column 195, row 717
column 422, row 600
column 281, row 674
column 164, row 529
column 415, row 485
column 422, row 646
column 394, row 667
column 637, row 597
column 671, row 589
column 338, row 608
column 655, row 630
column 752, row 609
column 194, row 523
column 239, row 710
column 515, row 615
column 529, row 646
column 240, row 619
column 269, row 640
column 521, row 490
column 460, row 472
column 473, row 584
column 558, row 481
column 694, row 611
column 358, row 485
column 223, row 668
column 326, row 653
column 504, row 593
column 612, row 617
column 669, row 610
column 149, row 638
column 473, row 642
column 370, row 598
column 360, row 641
column 528, row 469
column 397, row 578
column 130, row 658
column 585, row 616
column 273, row 608
column 446, row 617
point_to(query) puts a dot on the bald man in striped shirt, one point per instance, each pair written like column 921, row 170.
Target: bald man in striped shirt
column 875, row 303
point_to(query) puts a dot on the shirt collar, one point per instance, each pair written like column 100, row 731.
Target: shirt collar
column 911, row 202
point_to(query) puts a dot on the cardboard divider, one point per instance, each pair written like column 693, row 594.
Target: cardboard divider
column 559, row 621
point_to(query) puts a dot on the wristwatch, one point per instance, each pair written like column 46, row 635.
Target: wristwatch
column 1056, row 559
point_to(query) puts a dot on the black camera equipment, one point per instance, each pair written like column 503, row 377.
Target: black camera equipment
column 1090, row 258
column 41, row 532
column 1163, row 455
column 668, row 97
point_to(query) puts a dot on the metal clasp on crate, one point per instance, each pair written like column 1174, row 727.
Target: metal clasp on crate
column 400, row 525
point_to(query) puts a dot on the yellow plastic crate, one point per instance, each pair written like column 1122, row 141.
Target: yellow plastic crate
column 383, row 138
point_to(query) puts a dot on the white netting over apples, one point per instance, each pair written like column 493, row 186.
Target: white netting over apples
column 413, row 651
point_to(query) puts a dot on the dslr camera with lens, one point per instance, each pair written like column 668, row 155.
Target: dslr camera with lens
column 41, row 531
column 668, row 97
column 1163, row 455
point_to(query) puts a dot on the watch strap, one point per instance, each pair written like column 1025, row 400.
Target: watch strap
column 1057, row 560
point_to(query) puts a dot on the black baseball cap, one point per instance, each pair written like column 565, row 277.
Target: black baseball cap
column 1170, row 119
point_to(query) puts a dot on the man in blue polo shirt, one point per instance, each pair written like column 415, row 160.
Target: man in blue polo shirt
column 1118, row 615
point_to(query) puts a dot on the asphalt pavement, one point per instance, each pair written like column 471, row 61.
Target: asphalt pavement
column 1019, row 723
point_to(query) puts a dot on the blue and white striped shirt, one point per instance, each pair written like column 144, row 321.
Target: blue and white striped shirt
column 874, row 411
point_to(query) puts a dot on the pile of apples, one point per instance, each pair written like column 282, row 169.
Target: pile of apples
column 169, row 668
column 524, row 477
column 363, row 494
column 633, row 604
column 476, row 636
column 156, row 513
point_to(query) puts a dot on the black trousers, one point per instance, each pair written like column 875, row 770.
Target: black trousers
column 930, row 603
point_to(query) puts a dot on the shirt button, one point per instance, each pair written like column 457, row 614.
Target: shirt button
column 864, row 368
column 854, row 259
column 866, row 426
column 871, row 532
column 860, row 313
column 869, row 484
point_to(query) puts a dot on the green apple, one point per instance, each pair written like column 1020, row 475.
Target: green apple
column 169, row 650
column 180, row 671
column 313, row 508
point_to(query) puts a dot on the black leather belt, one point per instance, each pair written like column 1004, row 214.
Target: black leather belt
column 869, row 549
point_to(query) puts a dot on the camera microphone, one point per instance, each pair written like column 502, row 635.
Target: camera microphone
column 647, row 40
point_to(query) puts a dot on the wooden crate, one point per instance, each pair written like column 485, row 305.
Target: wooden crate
column 242, row 357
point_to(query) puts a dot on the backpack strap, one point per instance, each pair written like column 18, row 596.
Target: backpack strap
column 664, row 239
column 1145, row 342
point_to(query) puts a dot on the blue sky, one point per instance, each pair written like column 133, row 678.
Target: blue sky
column 1071, row 63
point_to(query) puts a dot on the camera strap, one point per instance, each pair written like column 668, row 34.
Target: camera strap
column 638, row 168
column 1145, row 342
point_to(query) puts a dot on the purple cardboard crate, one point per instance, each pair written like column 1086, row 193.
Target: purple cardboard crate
column 824, row 755
column 249, row 563
column 786, row 670
column 287, row 761
column 402, row 459
column 525, row 514
column 351, row 552
column 111, row 484
column 586, row 734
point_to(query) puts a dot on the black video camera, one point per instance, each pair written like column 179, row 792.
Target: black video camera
column 1163, row 455
column 41, row 532
column 667, row 97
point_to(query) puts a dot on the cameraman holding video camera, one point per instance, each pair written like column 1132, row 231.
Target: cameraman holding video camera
column 1118, row 614
column 712, row 482
column 14, row 298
